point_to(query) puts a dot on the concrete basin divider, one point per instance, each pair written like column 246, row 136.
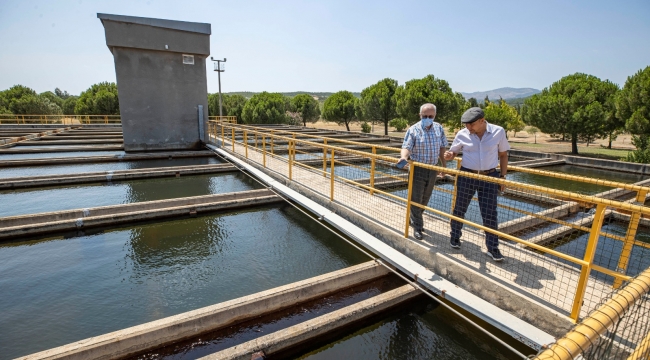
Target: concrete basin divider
column 13, row 141
column 82, row 137
column 50, row 142
column 115, row 175
column 107, row 158
column 151, row 335
column 62, row 149
column 298, row 334
column 24, row 225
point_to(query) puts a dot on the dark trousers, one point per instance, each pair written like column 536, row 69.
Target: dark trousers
column 423, row 181
column 487, row 201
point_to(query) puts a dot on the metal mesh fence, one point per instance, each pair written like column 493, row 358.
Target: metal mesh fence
column 619, row 327
column 565, row 242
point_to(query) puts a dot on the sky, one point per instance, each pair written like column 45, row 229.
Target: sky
column 283, row 46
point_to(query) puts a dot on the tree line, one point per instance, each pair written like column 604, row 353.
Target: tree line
column 576, row 107
column 99, row 99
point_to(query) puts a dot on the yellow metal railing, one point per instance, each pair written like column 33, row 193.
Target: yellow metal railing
column 83, row 119
column 61, row 119
column 224, row 119
column 298, row 143
column 591, row 331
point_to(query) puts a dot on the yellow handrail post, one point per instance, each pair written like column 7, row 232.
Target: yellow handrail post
column 453, row 194
column 246, row 143
column 332, row 177
column 223, row 135
column 290, row 162
column 590, row 251
column 372, row 171
column 272, row 153
column 256, row 139
column 630, row 235
column 263, row 150
column 408, row 199
column 105, row 119
column 642, row 349
column 233, row 139
column 325, row 158
column 606, row 316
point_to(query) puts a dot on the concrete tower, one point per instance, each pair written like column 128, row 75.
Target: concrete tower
column 161, row 80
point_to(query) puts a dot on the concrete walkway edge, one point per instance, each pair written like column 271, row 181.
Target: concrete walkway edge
column 506, row 322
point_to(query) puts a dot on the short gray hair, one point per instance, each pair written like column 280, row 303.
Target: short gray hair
column 427, row 106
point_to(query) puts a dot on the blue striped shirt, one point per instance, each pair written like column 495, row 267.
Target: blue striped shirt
column 424, row 145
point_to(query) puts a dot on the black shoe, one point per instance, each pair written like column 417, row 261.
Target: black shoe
column 455, row 243
column 417, row 234
column 411, row 223
column 495, row 254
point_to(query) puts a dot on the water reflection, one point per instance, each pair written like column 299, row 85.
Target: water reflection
column 104, row 166
column 64, row 290
column 59, row 154
column 441, row 200
column 575, row 186
column 608, row 250
column 30, row 201
column 422, row 333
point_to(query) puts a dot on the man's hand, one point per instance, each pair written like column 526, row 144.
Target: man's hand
column 403, row 159
column 449, row 155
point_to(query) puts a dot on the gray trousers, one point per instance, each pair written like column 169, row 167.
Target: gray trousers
column 423, row 181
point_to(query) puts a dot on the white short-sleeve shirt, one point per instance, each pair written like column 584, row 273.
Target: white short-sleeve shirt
column 481, row 154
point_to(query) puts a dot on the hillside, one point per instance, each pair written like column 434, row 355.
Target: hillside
column 320, row 95
column 505, row 93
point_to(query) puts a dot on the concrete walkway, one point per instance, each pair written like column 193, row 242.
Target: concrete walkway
column 541, row 279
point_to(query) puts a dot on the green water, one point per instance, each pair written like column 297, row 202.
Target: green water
column 30, row 201
column 59, row 290
column 60, row 154
column 422, row 332
column 575, row 186
column 19, row 171
column 608, row 251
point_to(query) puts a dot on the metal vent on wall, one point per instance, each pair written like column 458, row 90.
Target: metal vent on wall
column 188, row 59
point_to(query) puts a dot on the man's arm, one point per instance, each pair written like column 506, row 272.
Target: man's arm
column 503, row 163
column 441, row 155
column 404, row 154
column 408, row 143
column 503, row 166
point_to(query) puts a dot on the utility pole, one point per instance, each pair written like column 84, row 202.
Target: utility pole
column 219, row 68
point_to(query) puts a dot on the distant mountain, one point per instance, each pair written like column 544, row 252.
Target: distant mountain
column 319, row 95
column 505, row 93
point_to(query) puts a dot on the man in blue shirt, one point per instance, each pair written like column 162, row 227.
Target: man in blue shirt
column 484, row 146
column 424, row 142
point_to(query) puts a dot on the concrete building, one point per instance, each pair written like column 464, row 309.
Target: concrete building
column 161, row 80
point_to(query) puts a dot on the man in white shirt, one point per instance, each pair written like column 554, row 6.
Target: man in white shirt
column 484, row 146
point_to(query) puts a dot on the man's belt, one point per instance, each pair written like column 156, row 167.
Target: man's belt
column 480, row 172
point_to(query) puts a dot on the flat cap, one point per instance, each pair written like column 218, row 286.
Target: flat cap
column 471, row 115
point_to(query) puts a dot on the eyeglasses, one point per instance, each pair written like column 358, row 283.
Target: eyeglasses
column 428, row 116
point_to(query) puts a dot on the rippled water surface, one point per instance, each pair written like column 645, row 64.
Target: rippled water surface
column 59, row 154
column 103, row 166
column 30, row 201
column 429, row 332
column 576, row 186
column 61, row 290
